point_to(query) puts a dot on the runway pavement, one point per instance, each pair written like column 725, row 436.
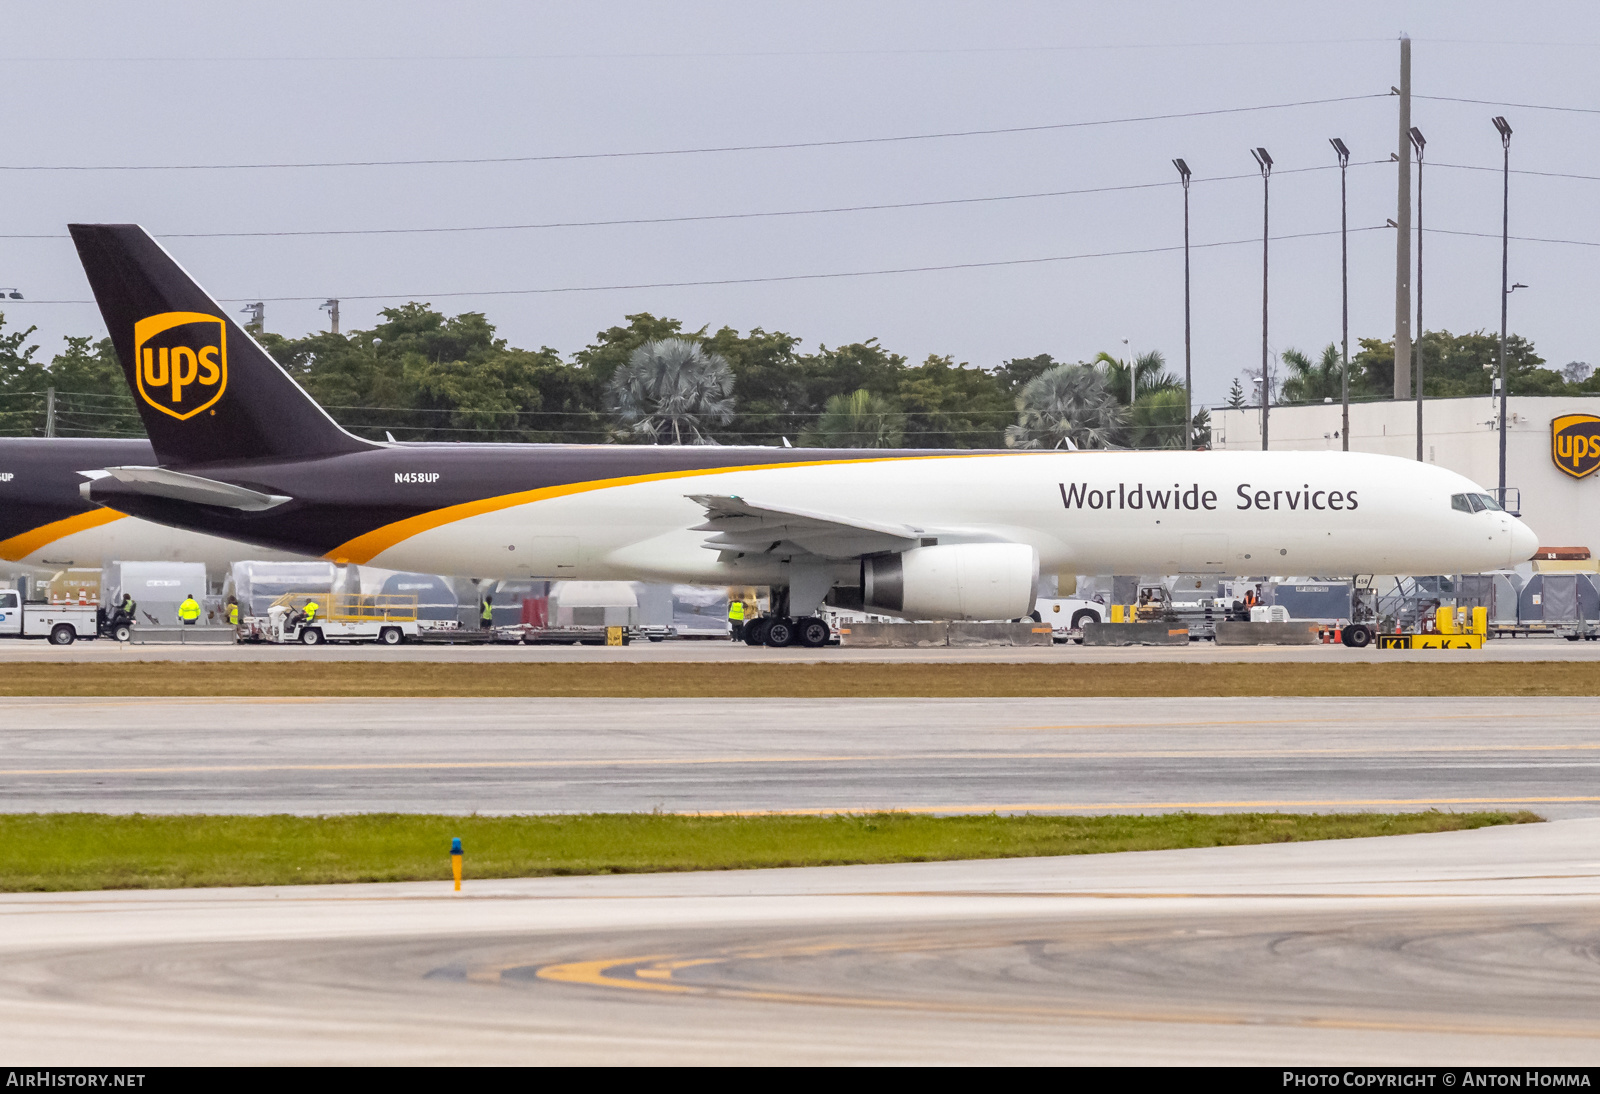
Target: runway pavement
column 101, row 650
column 938, row 755
column 1468, row 948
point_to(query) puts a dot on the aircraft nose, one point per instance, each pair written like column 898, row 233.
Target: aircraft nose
column 1523, row 542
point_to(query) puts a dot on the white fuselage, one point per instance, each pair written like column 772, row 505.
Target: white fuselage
column 1083, row 512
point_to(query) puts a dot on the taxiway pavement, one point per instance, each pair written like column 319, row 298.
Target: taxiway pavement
column 1461, row 948
column 310, row 755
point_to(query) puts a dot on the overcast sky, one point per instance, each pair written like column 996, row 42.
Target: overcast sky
column 205, row 83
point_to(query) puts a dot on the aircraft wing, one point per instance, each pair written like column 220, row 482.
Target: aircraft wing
column 739, row 524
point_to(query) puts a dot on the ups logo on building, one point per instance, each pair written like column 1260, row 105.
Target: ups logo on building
column 181, row 361
column 1575, row 444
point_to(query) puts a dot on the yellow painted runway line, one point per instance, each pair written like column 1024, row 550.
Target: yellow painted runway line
column 697, row 761
column 654, row 974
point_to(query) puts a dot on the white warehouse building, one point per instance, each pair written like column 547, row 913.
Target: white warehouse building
column 1560, row 502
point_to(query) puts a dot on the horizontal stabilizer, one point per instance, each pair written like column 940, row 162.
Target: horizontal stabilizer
column 742, row 525
column 159, row 482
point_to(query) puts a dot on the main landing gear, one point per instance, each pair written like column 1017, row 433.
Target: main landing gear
column 775, row 630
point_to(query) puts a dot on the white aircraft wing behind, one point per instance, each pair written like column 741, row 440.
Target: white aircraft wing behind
column 756, row 528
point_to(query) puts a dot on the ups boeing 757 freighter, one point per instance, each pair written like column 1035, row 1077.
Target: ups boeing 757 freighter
column 241, row 451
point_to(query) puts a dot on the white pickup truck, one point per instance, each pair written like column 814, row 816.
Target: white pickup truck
column 62, row 624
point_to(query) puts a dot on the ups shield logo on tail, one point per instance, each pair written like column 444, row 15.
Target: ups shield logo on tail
column 181, row 361
column 1575, row 444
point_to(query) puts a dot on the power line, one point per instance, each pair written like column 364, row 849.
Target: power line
column 707, row 54
column 1521, row 239
column 839, row 143
column 764, row 280
column 704, row 217
column 1518, row 106
column 1516, row 171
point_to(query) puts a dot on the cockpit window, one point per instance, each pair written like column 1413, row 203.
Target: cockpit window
column 1473, row 503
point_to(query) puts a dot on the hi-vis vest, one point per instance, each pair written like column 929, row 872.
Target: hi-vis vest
column 233, row 614
column 487, row 612
column 189, row 609
column 311, row 611
column 736, row 611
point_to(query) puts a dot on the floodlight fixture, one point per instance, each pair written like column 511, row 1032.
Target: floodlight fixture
column 1505, row 129
column 12, row 293
column 1340, row 150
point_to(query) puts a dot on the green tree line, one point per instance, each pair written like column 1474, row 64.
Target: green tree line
column 419, row 374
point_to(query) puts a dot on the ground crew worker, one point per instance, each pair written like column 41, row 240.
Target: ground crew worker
column 736, row 620
column 127, row 606
column 189, row 611
column 233, row 612
column 486, row 613
column 309, row 613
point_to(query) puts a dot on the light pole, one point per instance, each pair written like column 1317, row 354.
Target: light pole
column 1344, row 280
column 1505, row 289
column 1188, row 379
column 1419, row 144
column 1264, row 161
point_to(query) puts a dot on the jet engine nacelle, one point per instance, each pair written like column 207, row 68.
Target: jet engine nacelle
column 956, row 581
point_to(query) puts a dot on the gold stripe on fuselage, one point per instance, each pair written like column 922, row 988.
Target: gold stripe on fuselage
column 21, row 546
column 367, row 546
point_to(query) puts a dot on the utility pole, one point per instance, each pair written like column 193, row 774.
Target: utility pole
column 1188, row 377
column 1505, row 289
column 49, row 412
column 1264, row 161
column 331, row 306
column 1402, row 252
column 1420, row 143
column 1344, row 278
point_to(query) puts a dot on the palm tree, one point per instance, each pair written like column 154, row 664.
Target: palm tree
column 857, row 420
column 1312, row 382
column 1157, row 420
column 1149, row 375
column 1068, row 406
column 672, row 386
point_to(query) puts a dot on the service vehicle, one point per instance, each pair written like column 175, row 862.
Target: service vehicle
column 62, row 624
column 385, row 618
column 1067, row 614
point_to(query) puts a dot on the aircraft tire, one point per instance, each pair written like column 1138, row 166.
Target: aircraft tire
column 1357, row 636
column 780, row 632
column 812, row 633
column 755, row 632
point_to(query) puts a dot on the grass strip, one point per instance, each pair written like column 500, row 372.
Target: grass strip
column 697, row 680
column 53, row 852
